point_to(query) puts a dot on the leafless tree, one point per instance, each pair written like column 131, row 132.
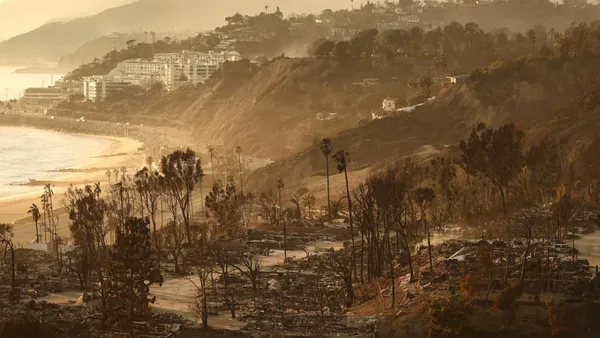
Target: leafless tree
column 225, row 261
column 341, row 264
column 249, row 264
column 201, row 261
column 174, row 241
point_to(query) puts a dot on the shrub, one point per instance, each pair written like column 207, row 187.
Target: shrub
column 507, row 298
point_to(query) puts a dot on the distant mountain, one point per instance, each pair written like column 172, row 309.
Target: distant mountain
column 20, row 16
column 53, row 40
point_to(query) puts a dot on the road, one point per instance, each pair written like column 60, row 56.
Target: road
column 589, row 247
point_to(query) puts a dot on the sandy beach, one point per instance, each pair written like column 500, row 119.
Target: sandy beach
column 119, row 152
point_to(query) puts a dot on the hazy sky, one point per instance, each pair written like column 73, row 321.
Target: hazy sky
column 20, row 16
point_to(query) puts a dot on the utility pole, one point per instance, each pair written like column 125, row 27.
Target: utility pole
column 153, row 42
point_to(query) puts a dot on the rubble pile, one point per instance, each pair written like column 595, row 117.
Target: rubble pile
column 35, row 276
column 295, row 240
column 301, row 297
column 549, row 267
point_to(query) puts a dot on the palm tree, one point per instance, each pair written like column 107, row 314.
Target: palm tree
column 212, row 153
column 309, row 202
column 116, row 174
column 531, row 36
column 44, row 201
column 413, row 83
column 123, row 172
column 238, row 151
column 35, row 214
column 425, row 83
column 149, row 162
column 49, row 209
column 297, row 200
column 342, row 158
column 326, row 149
column 280, row 186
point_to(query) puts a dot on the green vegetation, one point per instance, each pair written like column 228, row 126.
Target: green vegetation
column 113, row 58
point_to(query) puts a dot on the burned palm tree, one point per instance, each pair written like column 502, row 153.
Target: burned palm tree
column 212, row 153
column 280, row 186
column 35, row 215
column 238, row 152
column 327, row 149
column 342, row 158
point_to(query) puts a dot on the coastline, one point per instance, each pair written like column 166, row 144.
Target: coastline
column 119, row 152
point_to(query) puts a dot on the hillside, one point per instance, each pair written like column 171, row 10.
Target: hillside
column 544, row 97
column 51, row 41
column 271, row 111
column 39, row 12
column 94, row 48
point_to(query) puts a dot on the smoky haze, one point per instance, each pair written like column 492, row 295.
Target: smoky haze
column 20, row 16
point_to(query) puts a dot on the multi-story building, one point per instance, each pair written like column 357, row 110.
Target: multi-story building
column 168, row 57
column 411, row 19
column 220, row 57
column 97, row 88
column 141, row 67
column 43, row 95
column 175, row 68
column 197, row 72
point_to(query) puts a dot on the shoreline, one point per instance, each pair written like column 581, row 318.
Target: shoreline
column 13, row 208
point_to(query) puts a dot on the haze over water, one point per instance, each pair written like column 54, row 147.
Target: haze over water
column 15, row 84
column 30, row 154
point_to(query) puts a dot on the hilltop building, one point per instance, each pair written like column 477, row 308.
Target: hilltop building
column 175, row 68
column 389, row 104
column 457, row 79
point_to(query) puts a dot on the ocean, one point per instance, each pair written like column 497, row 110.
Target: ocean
column 27, row 153
column 13, row 85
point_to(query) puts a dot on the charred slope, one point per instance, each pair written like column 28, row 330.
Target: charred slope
column 545, row 97
column 271, row 111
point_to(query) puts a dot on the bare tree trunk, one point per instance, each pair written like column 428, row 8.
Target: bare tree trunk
column 37, row 234
column 362, row 255
column 12, row 268
column 525, row 258
column 428, row 242
column 351, row 226
column 503, row 200
column 408, row 256
column 491, row 276
column 284, row 228
column 241, row 175
column 391, row 262
column 328, row 192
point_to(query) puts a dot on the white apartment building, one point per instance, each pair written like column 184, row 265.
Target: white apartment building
column 141, row 67
column 197, row 67
column 194, row 72
column 197, row 72
column 97, row 88
column 168, row 57
column 220, row 57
